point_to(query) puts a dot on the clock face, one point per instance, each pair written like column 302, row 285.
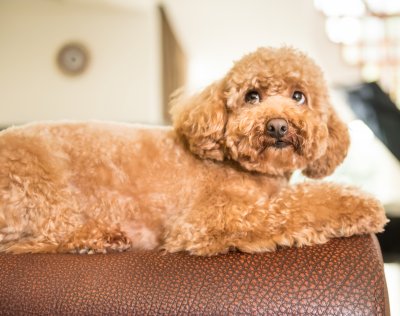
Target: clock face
column 73, row 59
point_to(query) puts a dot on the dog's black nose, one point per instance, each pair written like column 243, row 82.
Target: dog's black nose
column 277, row 127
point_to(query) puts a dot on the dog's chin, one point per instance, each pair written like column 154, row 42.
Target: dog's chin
column 276, row 159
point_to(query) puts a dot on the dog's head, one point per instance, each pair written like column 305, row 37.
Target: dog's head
column 271, row 113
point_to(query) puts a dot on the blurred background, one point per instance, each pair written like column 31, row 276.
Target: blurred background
column 119, row 60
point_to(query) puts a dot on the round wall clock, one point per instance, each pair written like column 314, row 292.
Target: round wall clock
column 73, row 59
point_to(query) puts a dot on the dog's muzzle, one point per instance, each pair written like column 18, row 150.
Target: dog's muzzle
column 277, row 128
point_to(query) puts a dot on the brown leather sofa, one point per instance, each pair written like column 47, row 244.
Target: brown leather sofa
column 343, row 277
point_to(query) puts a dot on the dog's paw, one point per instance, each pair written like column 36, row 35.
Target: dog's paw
column 369, row 212
column 196, row 244
column 366, row 216
column 198, row 249
column 97, row 243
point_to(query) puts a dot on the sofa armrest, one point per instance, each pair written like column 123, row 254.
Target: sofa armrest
column 342, row 277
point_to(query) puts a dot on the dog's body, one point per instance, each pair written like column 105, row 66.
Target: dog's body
column 218, row 180
column 132, row 188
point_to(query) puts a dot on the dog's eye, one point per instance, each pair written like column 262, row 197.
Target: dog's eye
column 252, row 97
column 299, row 97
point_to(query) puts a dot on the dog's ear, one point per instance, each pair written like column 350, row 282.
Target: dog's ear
column 336, row 151
column 200, row 120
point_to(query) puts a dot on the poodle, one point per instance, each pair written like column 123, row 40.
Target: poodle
column 218, row 180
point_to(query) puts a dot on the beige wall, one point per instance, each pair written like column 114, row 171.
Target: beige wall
column 124, row 79
column 217, row 32
column 122, row 82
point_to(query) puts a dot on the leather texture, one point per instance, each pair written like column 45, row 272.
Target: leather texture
column 343, row 277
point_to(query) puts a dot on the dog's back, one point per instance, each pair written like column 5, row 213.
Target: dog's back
column 57, row 176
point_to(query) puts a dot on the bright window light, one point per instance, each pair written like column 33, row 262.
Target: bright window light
column 384, row 6
column 351, row 54
column 341, row 7
column 368, row 33
column 370, row 72
column 345, row 30
column 392, row 272
column 373, row 29
column 373, row 54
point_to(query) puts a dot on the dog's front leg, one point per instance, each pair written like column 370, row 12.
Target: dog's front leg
column 311, row 213
column 214, row 224
column 305, row 214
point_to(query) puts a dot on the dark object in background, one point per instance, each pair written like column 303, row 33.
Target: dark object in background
column 390, row 240
column 372, row 105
